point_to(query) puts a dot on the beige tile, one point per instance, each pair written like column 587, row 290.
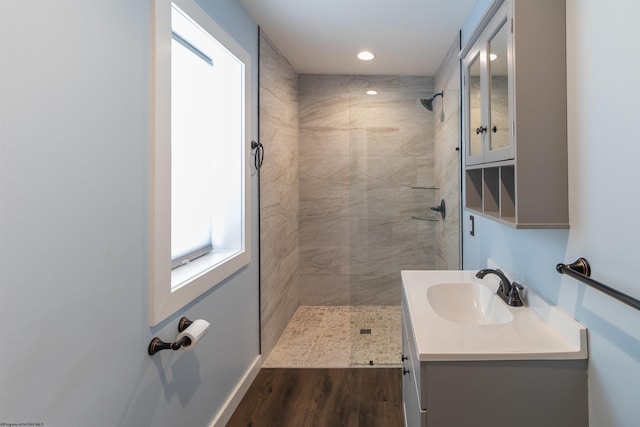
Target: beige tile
column 359, row 156
column 325, row 289
column 278, row 193
column 330, row 337
column 324, row 260
column 324, row 230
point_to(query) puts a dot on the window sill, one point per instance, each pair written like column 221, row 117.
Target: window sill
column 200, row 267
column 191, row 281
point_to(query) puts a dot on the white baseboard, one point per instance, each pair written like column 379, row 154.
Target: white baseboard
column 224, row 415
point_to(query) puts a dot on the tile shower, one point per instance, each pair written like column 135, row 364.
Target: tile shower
column 359, row 157
column 346, row 175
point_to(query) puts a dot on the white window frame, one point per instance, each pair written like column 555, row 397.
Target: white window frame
column 170, row 290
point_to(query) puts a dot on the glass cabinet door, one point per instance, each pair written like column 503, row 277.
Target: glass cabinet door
column 488, row 86
column 499, row 130
column 475, row 128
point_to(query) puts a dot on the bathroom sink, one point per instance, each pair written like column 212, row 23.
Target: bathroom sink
column 455, row 316
column 468, row 303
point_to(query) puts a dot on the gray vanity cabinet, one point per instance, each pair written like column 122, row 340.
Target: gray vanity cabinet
column 523, row 393
column 514, row 115
column 414, row 412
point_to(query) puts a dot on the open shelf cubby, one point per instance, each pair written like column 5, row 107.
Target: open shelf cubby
column 491, row 194
column 474, row 189
column 498, row 192
column 491, row 191
column 508, row 194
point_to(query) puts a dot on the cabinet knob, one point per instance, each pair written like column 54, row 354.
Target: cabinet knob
column 480, row 130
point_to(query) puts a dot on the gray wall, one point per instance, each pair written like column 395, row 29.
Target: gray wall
column 279, row 205
column 74, row 137
column 359, row 156
column 603, row 92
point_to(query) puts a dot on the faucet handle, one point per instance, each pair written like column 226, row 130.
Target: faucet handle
column 514, row 299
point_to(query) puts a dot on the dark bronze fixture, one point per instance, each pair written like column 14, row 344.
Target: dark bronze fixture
column 258, row 155
column 442, row 208
column 483, row 129
column 514, row 299
column 157, row 344
column 428, row 103
column 184, row 324
column 581, row 265
column 581, row 270
column 507, row 291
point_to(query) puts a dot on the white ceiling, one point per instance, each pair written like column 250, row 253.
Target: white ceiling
column 409, row 37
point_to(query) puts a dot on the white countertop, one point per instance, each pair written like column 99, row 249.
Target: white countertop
column 538, row 331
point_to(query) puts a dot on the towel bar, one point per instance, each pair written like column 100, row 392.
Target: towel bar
column 581, row 270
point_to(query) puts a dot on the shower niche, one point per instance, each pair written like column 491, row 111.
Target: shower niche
column 515, row 115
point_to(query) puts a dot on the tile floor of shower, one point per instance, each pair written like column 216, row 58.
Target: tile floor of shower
column 339, row 337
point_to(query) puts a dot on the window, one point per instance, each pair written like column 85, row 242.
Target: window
column 199, row 194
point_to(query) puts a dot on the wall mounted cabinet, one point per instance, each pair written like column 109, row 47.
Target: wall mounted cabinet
column 515, row 115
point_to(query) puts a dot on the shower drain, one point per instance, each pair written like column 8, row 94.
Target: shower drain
column 365, row 331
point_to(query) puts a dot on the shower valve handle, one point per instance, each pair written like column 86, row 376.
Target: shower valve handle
column 480, row 130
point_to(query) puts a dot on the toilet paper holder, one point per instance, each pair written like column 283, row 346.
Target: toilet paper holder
column 157, row 344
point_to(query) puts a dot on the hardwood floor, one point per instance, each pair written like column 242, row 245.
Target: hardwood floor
column 355, row 397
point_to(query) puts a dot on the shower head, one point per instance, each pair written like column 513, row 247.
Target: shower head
column 428, row 103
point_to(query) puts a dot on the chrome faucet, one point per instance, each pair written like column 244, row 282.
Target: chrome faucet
column 507, row 291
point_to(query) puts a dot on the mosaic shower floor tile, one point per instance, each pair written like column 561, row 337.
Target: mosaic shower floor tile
column 339, row 337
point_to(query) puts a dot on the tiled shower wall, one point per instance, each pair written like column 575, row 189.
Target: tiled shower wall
column 360, row 156
column 336, row 198
column 279, row 292
column 447, row 154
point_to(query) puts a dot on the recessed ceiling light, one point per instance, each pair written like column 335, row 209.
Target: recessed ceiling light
column 493, row 57
column 372, row 92
column 365, row 55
